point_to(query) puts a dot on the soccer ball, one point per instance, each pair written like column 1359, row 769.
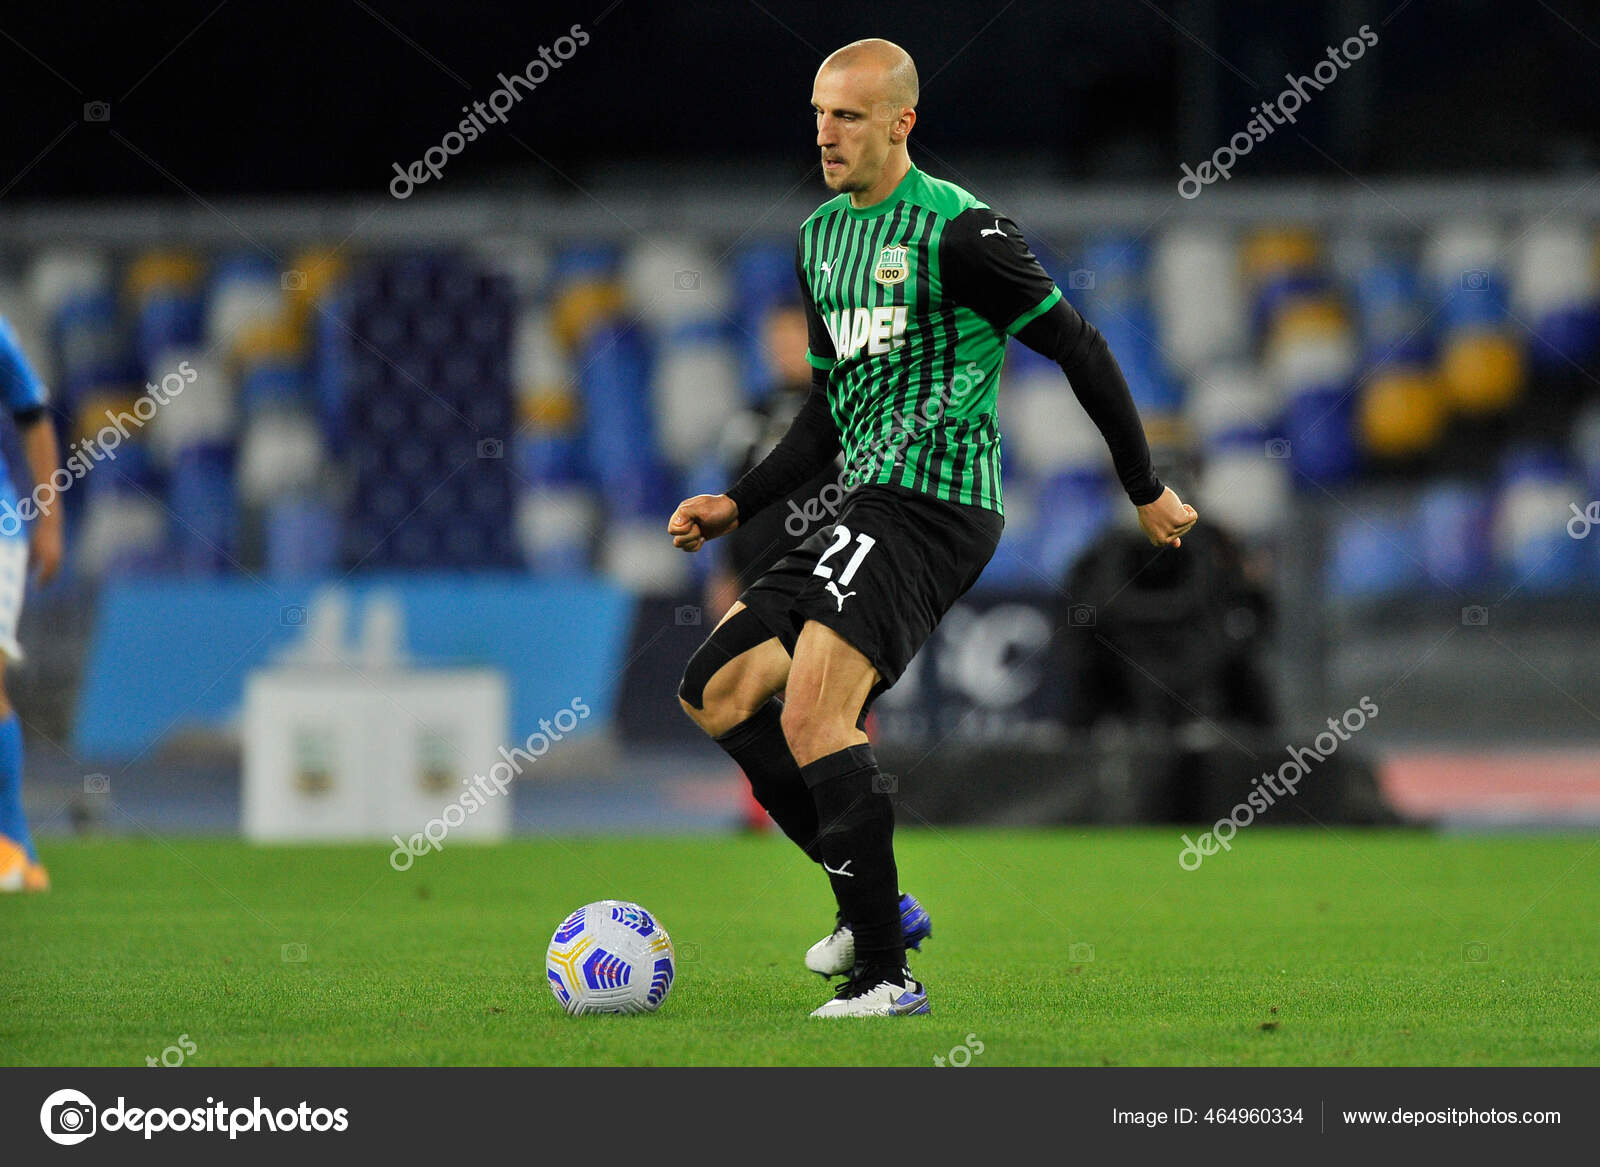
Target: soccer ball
column 610, row 957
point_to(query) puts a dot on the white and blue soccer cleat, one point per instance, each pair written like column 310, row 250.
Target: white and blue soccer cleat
column 865, row 994
column 836, row 953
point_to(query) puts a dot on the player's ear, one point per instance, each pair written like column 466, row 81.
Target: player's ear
column 902, row 126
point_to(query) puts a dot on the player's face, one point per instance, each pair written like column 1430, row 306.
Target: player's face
column 853, row 128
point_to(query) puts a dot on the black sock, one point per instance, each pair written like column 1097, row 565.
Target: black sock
column 758, row 745
column 857, row 838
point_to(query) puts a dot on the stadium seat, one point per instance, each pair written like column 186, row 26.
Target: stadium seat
column 1402, row 411
column 696, row 389
column 557, row 528
column 302, row 538
column 1372, row 556
column 1199, row 296
column 204, row 526
column 1482, row 371
column 1453, row 527
column 1045, row 429
column 282, row 454
column 245, row 289
column 1464, row 255
column 203, row 413
column 121, row 533
column 636, row 553
column 1073, row 508
column 670, row 281
column 1556, row 292
column 1394, row 327
column 1318, row 427
column 1532, row 546
column 1243, row 491
column 1231, row 406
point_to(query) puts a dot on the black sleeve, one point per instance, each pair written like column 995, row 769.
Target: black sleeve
column 990, row 269
column 819, row 349
column 1077, row 346
column 811, row 443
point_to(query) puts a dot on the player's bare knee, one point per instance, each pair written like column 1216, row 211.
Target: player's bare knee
column 813, row 732
column 723, row 700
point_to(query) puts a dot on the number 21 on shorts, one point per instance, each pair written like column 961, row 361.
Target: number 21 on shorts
column 842, row 539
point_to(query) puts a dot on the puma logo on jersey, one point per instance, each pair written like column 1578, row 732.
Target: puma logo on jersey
column 878, row 330
column 827, row 266
column 995, row 230
column 833, row 590
column 842, row 867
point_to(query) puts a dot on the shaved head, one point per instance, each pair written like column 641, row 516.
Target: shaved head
column 896, row 73
column 865, row 102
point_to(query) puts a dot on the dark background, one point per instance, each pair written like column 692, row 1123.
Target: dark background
column 322, row 97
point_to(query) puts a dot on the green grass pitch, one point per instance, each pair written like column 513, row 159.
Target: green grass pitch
column 1051, row 947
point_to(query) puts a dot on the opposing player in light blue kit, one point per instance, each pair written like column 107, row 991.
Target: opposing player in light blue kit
column 40, row 542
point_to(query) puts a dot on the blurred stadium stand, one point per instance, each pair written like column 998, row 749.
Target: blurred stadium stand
column 1388, row 399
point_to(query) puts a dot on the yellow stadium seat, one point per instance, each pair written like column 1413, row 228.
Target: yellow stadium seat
column 582, row 306
column 1313, row 316
column 550, row 410
column 268, row 339
column 1483, row 372
column 162, row 271
column 1402, row 412
column 309, row 276
column 1279, row 249
column 97, row 407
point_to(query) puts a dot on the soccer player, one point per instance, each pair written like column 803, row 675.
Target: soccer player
column 24, row 394
column 912, row 287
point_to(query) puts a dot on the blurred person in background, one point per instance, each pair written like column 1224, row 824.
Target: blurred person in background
column 23, row 545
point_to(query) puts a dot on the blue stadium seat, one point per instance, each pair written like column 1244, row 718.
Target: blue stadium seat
column 1453, row 532
column 302, row 537
column 1371, row 556
column 201, row 496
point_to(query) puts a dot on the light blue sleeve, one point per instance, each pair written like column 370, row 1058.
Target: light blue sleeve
column 20, row 387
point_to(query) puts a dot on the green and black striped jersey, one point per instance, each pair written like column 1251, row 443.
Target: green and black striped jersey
column 910, row 303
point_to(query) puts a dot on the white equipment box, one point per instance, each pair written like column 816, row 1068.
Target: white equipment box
column 332, row 753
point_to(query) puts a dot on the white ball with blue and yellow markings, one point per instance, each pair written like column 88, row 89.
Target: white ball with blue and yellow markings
column 610, row 957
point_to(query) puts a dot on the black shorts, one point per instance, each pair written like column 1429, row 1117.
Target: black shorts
column 882, row 575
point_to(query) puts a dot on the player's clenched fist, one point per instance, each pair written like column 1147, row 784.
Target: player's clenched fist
column 1166, row 518
column 705, row 516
